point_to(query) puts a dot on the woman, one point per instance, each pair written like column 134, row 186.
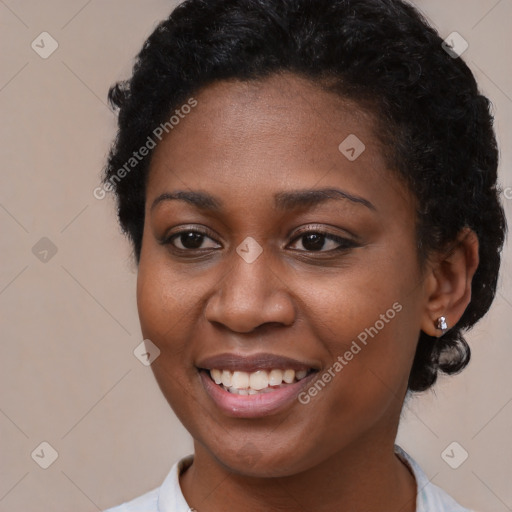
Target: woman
column 310, row 190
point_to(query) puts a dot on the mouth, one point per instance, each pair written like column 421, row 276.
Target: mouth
column 254, row 386
column 258, row 382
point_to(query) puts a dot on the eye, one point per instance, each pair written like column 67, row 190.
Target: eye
column 312, row 240
column 188, row 240
column 315, row 241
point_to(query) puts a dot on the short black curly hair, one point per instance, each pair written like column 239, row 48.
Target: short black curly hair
column 435, row 125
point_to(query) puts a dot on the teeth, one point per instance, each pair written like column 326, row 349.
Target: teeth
column 226, row 378
column 216, row 376
column 300, row 374
column 240, row 380
column 289, row 376
column 261, row 381
column 275, row 377
column 258, row 380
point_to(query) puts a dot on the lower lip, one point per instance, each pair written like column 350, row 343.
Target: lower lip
column 253, row 406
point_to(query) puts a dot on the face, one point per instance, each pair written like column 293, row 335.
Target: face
column 249, row 275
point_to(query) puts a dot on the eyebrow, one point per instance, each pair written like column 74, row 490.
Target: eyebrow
column 295, row 199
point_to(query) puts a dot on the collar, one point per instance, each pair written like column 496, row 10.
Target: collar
column 429, row 497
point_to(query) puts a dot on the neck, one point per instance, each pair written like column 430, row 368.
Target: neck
column 365, row 476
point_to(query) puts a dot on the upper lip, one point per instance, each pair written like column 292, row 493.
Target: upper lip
column 253, row 362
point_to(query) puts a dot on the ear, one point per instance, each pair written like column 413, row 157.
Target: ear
column 448, row 282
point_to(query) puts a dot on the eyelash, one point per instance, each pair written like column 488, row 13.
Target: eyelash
column 345, row 243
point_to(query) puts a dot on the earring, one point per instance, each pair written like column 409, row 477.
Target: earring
column 441, row 324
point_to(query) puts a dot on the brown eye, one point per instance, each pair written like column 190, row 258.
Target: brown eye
column 315, row 241
column 188, row 240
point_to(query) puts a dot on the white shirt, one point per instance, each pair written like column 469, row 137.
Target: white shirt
column 169, row 498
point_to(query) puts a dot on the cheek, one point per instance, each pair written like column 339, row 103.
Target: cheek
column 163, row 310
column 375, row 301
column 165, row 297
column 165, row 314
column 369, row 323
column 155, row 302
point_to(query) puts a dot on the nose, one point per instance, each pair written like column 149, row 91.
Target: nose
column 249, row 296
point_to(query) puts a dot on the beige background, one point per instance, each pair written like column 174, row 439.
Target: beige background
column 69, row 325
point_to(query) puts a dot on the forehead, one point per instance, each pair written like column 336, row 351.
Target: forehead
column 283, row 104
column 279, row 132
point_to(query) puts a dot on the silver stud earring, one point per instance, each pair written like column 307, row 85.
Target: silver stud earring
column 441, row 324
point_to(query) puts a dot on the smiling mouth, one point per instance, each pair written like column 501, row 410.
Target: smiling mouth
column 257, row 382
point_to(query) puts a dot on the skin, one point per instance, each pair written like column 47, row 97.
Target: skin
column 243, row 143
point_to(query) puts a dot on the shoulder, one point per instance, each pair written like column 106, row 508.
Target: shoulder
column 430, row 497
column 167, row 497
column 146, row 503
